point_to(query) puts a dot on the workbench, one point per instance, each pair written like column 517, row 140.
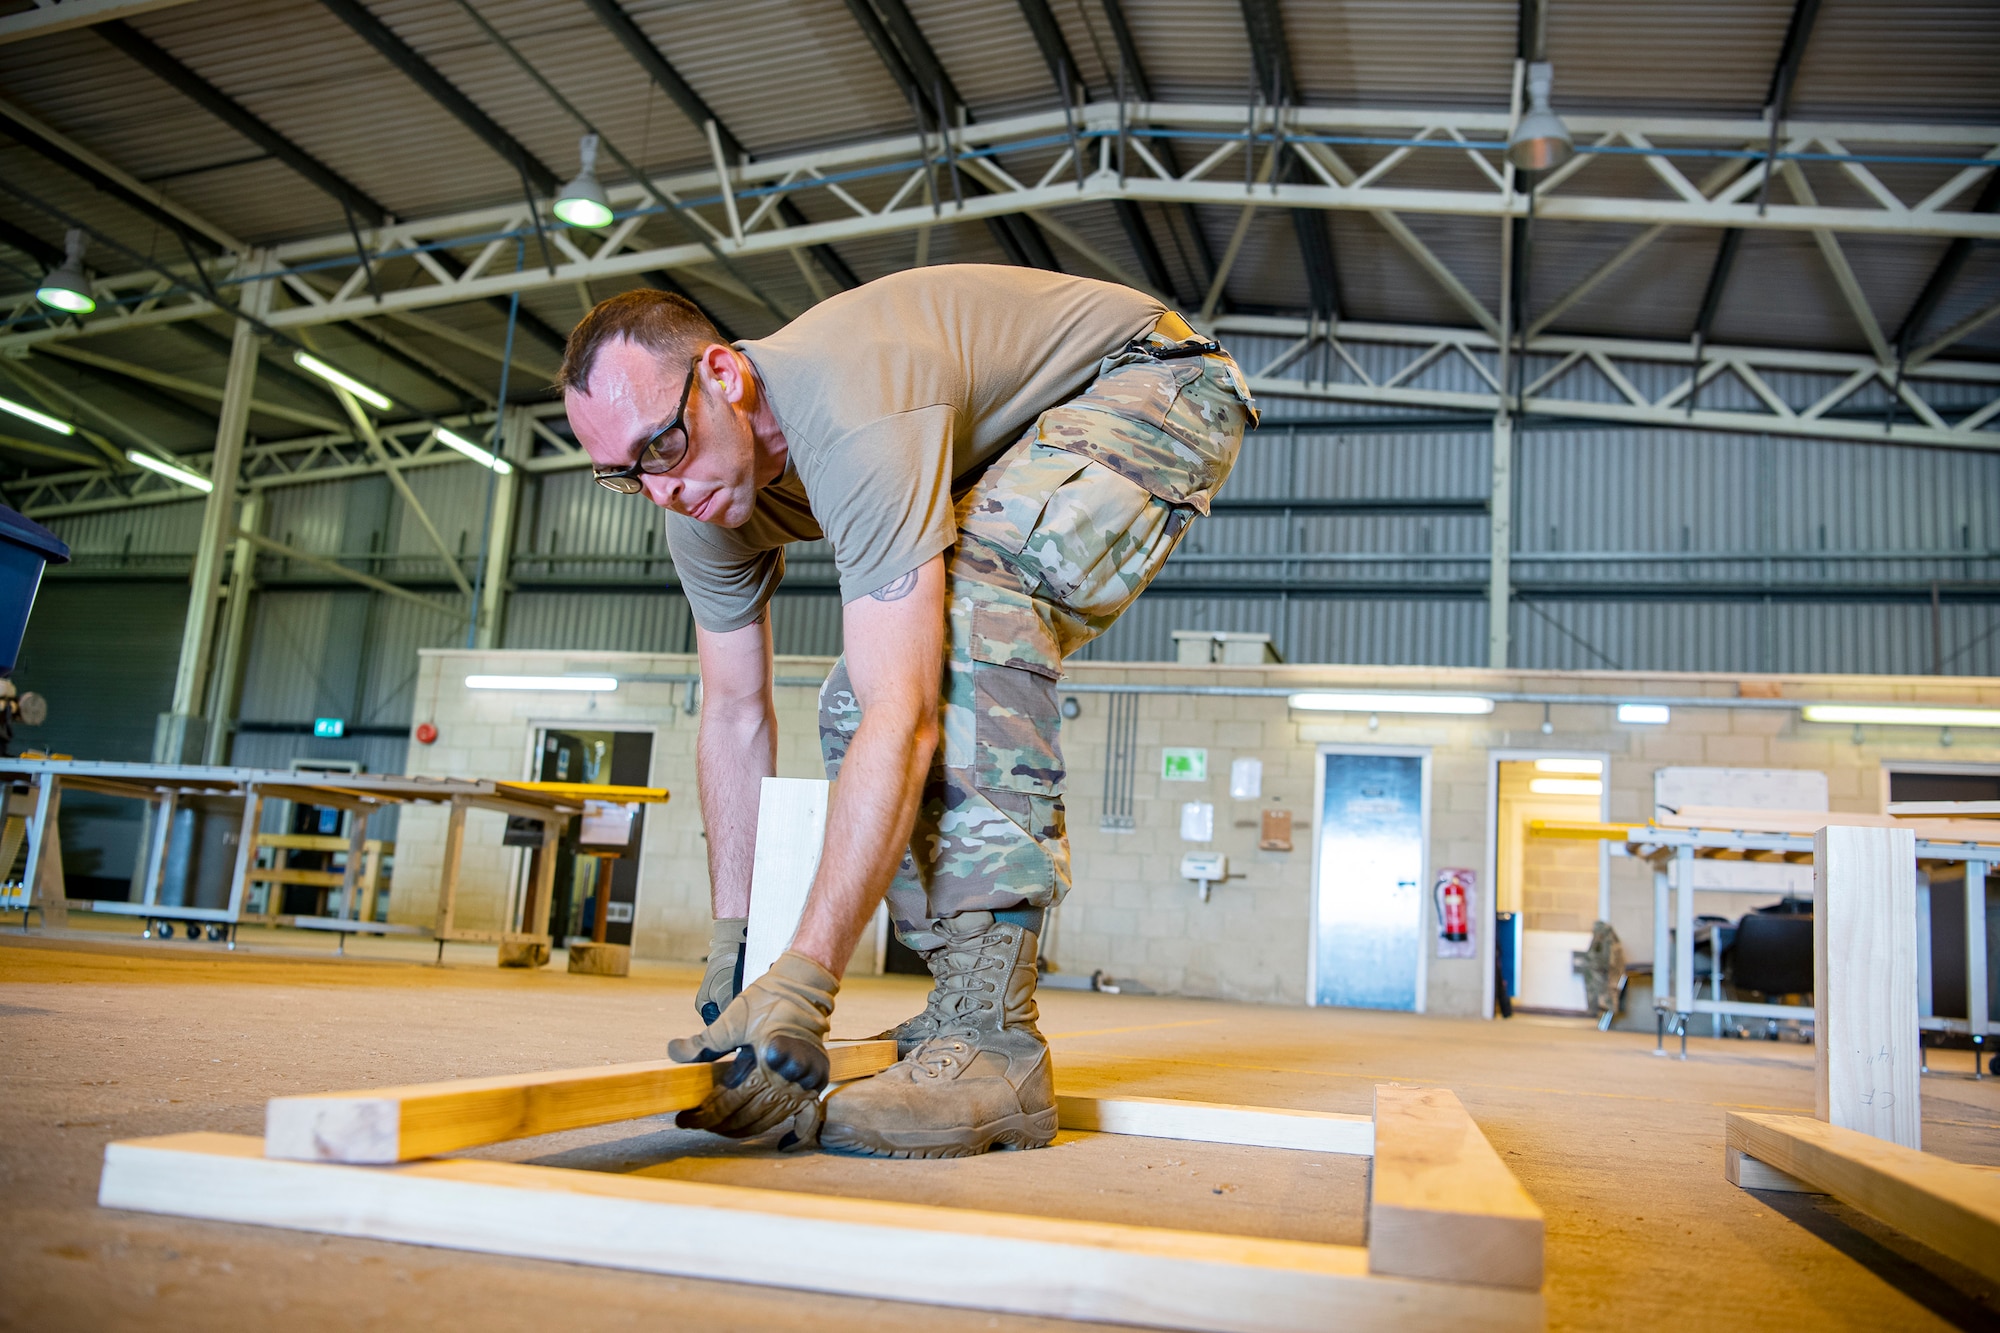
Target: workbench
column 35, row 788
column 1778, row 836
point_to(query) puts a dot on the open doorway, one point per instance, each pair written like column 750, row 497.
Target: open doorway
column 621, row 758
column 1547, row 891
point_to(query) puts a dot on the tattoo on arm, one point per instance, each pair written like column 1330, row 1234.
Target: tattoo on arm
column 896, row 589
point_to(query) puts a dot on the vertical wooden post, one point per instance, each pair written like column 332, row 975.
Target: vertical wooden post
column 350, row 879
column 371, row 877
column 542, row 882
column 1865, row 981
column 600, row 918
column 454, row 853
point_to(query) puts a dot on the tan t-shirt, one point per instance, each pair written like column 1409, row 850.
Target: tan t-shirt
column 890, row 395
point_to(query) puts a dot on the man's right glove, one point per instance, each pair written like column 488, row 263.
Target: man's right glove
column 724, row 978
column 776, row 1029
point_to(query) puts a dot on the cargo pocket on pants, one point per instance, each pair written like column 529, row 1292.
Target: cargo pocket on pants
column 1016, row 742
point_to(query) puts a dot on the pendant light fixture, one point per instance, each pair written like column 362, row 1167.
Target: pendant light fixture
column 65, row 288
column 582, row 202
column 1541, row 142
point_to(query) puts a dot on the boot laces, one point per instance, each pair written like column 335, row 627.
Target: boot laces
column 941, row 1055
column 964, row 993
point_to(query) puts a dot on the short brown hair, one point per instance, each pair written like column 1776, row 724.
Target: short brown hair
column 671, row 326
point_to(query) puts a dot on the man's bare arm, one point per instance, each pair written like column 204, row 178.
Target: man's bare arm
column 894, row 641
column 735, row 751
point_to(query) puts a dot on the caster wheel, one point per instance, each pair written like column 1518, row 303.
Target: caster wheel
column 215, row 934
column 166, row 930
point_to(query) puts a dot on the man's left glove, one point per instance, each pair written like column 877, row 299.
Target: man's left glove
column 777, row 1031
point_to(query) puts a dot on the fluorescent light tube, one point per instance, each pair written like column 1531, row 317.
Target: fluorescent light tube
column 1391, row 703
column 42, row 419
column 593, row 684
column 1566, row 787
column 1903, row 717
column 1650, row 715
column 473, row 451
column 1587, row 767
column 169, row 471
column 307, row 361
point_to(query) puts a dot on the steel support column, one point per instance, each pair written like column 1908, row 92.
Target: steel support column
column 235, row 623
column 1500, row 579
column 179, row 737
column 515, row 444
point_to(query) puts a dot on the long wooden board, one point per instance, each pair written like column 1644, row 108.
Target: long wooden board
column 1442, row 1204
column 1027, row 1265
column 1216, row 1122
column 1952, row 1208
column 382, row 1125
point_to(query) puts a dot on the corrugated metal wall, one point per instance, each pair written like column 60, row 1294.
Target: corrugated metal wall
column 1636, row 549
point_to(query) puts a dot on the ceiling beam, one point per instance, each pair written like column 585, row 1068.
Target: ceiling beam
column 1264, row 24
column 698, row 112
column 1140, row 88
column 907, row 54
column 442, row 91
column 52, row 16
column 31, row 245
column 1777, row 101
column 1070, row 86
column 147, row 203
column 1944, row 275
column 234, row 114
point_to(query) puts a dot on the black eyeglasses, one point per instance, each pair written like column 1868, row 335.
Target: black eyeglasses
column 665, row 449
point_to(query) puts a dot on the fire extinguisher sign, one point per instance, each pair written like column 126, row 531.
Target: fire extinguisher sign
column 1454, row 896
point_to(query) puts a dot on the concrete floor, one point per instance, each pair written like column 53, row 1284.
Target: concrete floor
column 108, row 1037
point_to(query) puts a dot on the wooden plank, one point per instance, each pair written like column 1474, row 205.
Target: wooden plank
column 1217, row 1122
column 1026, row 1265
column 791, row 825
column 400, row 1124
column 1866, row 1058
column 302, row 842
column 325, row 879
column 1952, row 1208
column 1442, row 1204
column 588, row 791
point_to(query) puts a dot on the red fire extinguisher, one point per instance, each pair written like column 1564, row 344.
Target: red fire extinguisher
column 1451, row 910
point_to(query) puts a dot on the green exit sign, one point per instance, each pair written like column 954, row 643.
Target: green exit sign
column 329, row 726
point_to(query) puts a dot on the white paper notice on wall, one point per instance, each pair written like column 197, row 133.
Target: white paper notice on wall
column 1197, row 823
column 791, row 826
column 1740, row 788
column 1246, row 779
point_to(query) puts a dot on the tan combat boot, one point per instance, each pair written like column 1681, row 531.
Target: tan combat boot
column 981, row 1080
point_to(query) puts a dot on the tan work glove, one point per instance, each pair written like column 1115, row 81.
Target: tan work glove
column 776, row 1029
column 724, row 978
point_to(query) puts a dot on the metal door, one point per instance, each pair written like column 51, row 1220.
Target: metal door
column 1370, row 843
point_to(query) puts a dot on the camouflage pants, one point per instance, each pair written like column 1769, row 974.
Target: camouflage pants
column 1057, row 537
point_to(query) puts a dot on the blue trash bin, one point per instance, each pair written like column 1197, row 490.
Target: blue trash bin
column 25, row 548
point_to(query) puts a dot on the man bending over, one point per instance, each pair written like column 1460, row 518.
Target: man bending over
column 1000, row 459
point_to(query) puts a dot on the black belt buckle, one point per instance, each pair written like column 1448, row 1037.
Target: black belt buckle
column 1177, row 351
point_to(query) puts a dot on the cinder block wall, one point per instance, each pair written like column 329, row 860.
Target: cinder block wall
column 1130, row 912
